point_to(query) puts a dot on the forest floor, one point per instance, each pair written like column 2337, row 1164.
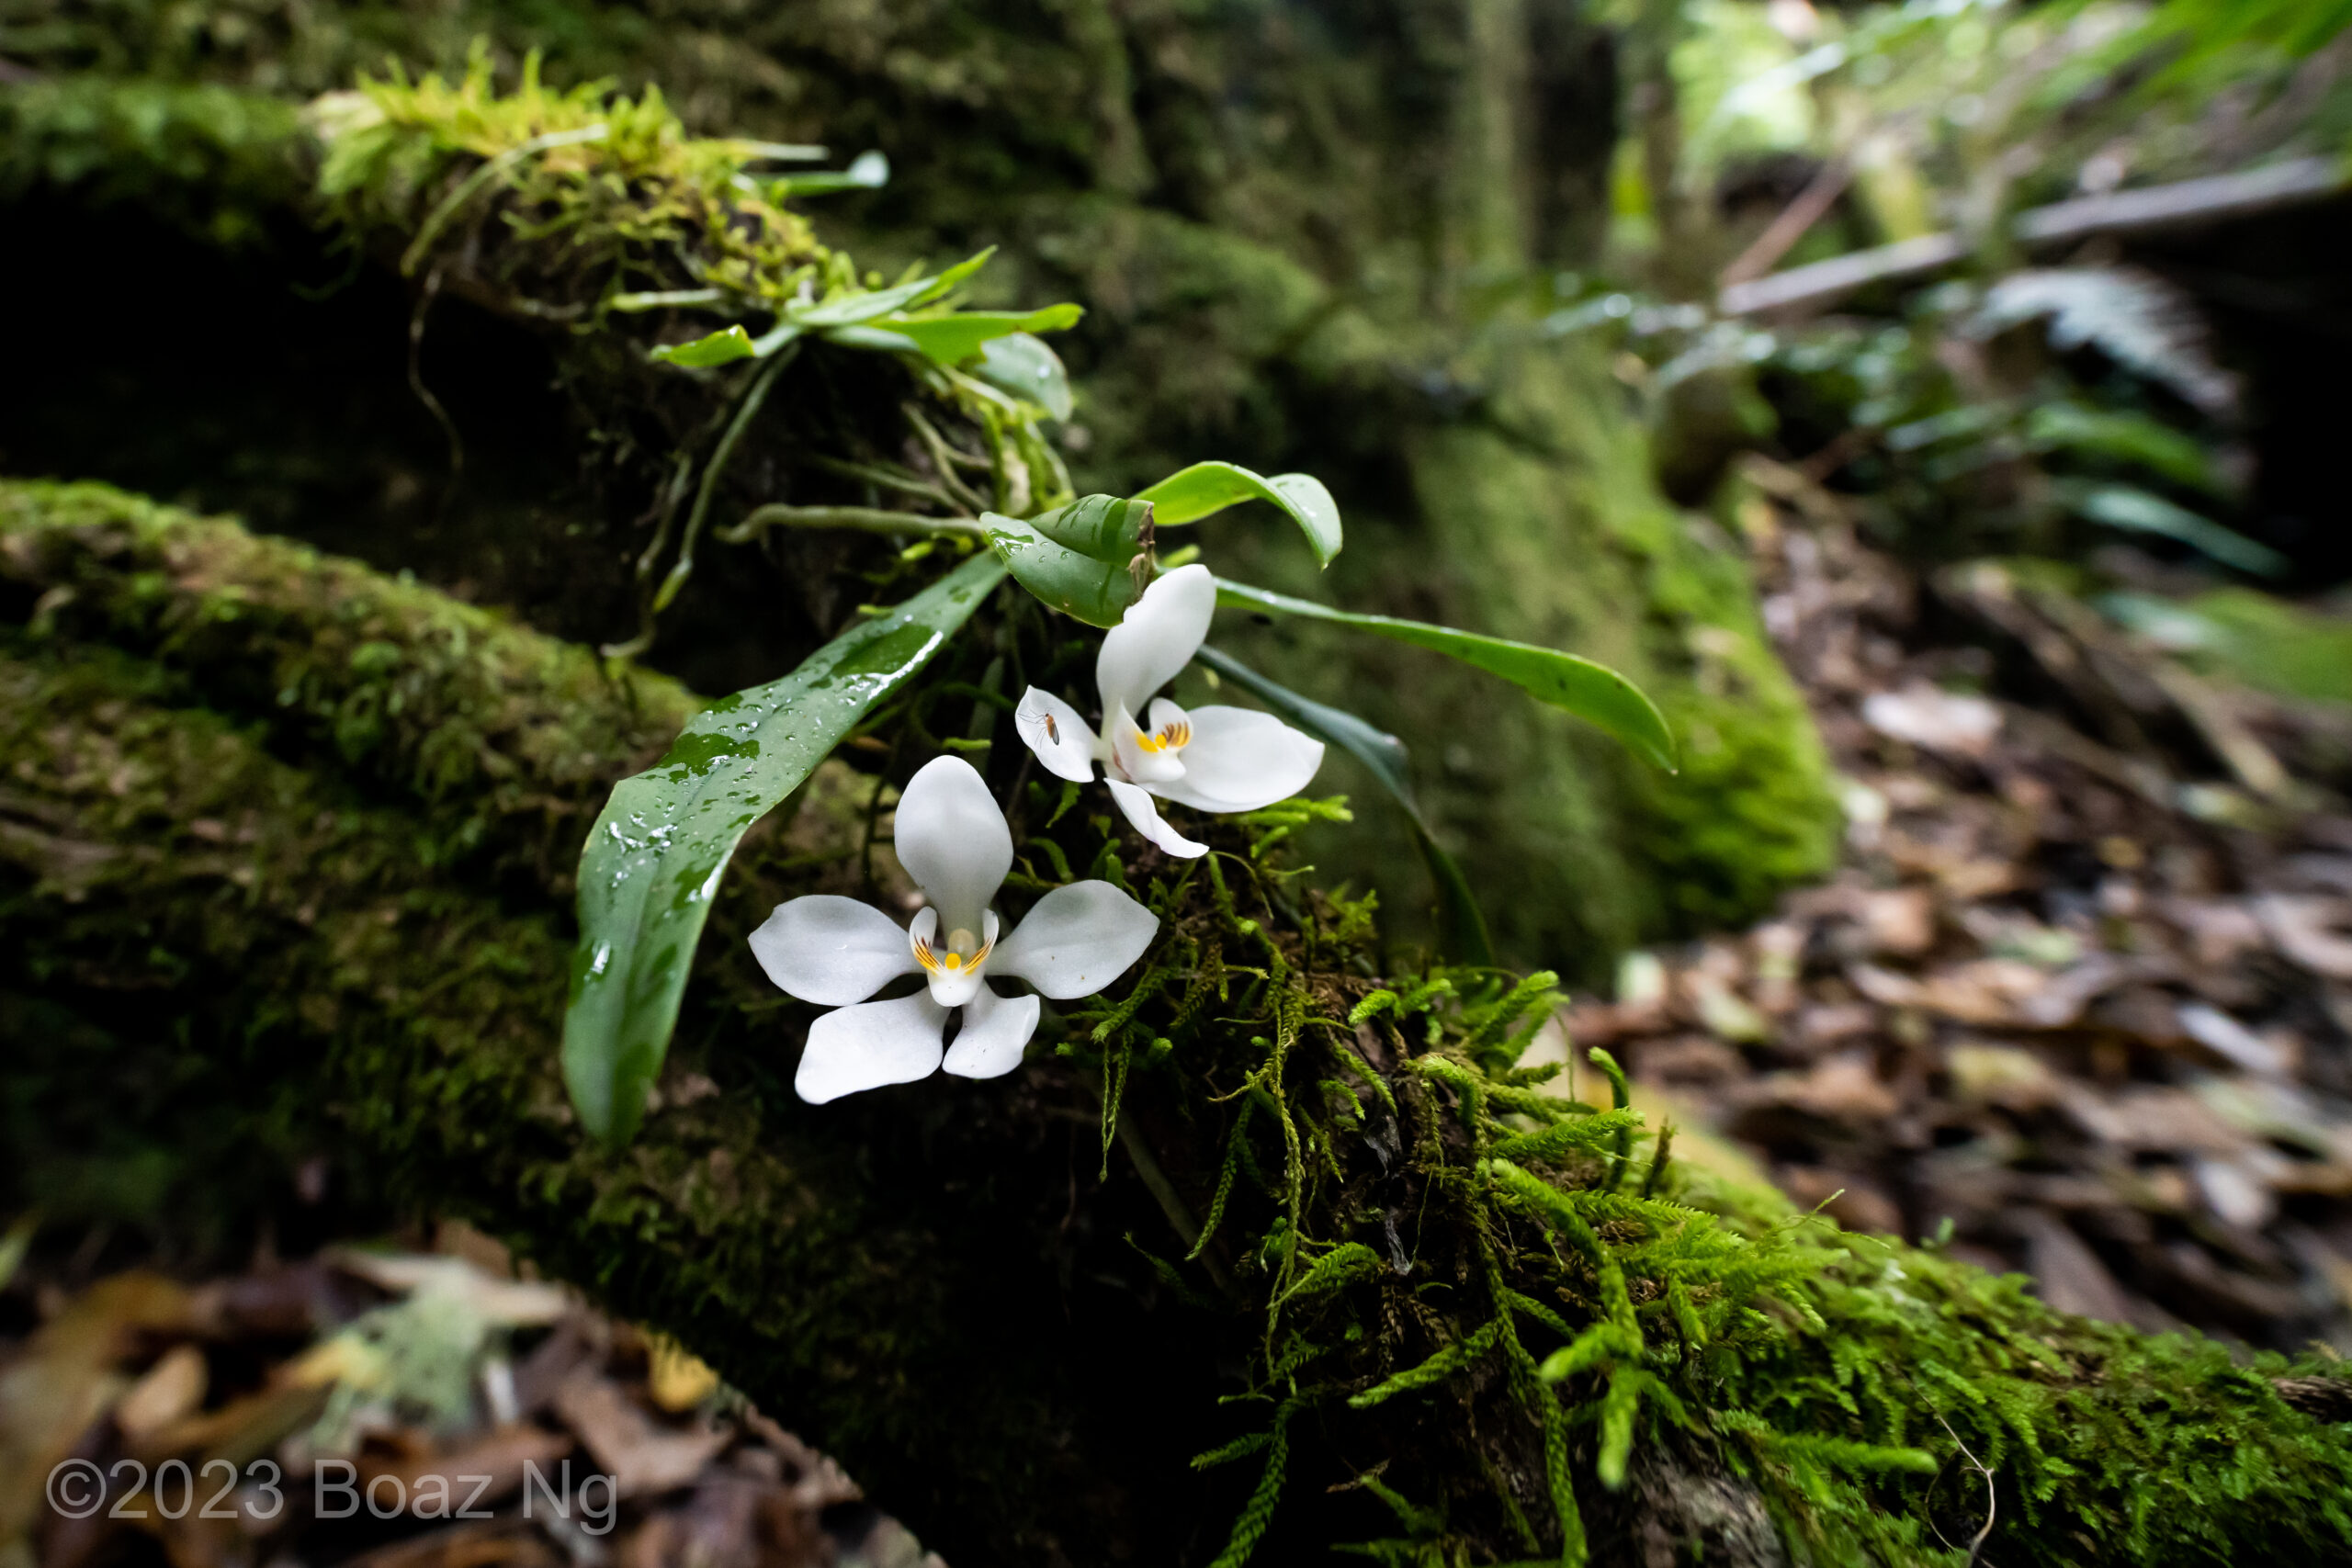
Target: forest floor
column 2081, row 988
column 423, row 1409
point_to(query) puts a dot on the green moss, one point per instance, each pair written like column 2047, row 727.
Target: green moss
column 2102, row 1445
column 506, row 741
column 1424, row 1259
column 2275, row 646
column 217, row 163
column 616, row 182
column 270, row 943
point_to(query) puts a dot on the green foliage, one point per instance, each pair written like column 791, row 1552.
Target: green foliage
column 1206, row 489
column 1591, row 1318
column 1089, row 560
column 1592, row 691
column 1932, row 458
column 217, row 163
column 650, row 867
column 2249, row 636
column 906, row 317
column 1462, row 925
column 617, row 178
column 2190, row 37
column 2139, row 511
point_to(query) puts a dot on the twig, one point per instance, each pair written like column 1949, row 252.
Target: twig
column 1819, row 195
column 2186, row 204
column 1992, row 1497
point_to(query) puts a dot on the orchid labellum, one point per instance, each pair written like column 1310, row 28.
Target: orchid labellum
column 1212, row 759
column 837, row 952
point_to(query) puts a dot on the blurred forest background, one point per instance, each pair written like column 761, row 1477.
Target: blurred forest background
column 1936, row 406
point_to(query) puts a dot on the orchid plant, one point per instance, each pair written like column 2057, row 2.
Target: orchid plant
column 838, row 953
column 1218, row 758
column 650, row 870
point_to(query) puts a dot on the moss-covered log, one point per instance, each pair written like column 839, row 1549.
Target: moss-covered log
column 935, row 1279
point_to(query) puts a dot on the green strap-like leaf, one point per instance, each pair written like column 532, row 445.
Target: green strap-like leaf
column 953, row 338
column 1462, row 925
column 869, row 170
column 652, row 863
column 1594, row 692
column 1193, row 493
column 848, row 310
column 721, row 348
column 840, row 317
column 2121, row 507
column 1027, row 367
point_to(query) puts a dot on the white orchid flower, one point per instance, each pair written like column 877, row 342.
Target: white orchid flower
column 836, row 952
column 1212, row 759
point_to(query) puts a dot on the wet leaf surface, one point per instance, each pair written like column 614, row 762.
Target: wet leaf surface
column 653, row 860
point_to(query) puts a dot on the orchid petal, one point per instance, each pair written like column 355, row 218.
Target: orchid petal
column 995, row 1030
column 1077, row 940
column 1129, row 757
column 1134, row 801
column 951, row 837
column 830, row 950
column 1053, row 729
column 1157, row 638
column 870, row 1045
column 1240, row 758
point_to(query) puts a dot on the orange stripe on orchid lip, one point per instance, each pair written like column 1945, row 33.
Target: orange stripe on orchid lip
column 1172, row 737
column 950, row 962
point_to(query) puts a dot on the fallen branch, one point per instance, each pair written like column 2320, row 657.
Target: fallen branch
column 2186, row 204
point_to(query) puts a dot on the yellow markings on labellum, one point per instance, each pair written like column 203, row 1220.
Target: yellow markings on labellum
column 952, row 961
column 1173, row 736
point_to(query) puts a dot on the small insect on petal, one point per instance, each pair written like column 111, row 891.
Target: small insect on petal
column 1053, row 730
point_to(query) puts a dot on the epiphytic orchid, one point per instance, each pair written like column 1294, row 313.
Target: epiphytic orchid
column 837, row 952
column 1212, row 759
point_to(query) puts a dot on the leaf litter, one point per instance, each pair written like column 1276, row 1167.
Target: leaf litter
column 406, row 1367
column 2078, row 997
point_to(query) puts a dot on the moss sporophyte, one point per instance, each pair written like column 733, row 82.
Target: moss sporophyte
column 837, row 952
